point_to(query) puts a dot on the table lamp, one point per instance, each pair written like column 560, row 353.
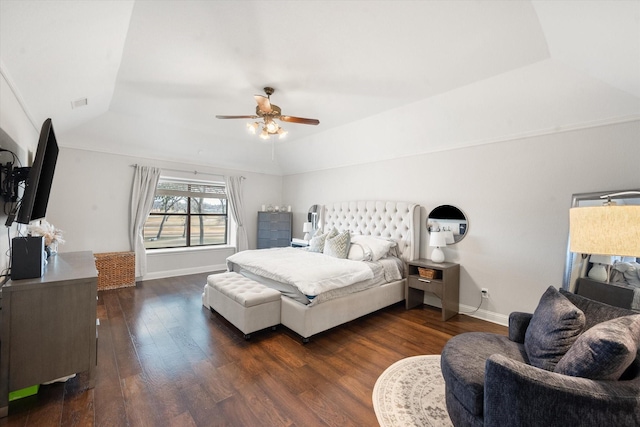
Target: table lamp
column 438, row 240
column 307, row 227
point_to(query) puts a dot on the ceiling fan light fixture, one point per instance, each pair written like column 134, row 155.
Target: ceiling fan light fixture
column 253, row 127
column 271, row 126
column 267, row 113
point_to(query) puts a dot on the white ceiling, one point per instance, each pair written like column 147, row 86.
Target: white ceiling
column 385, row 78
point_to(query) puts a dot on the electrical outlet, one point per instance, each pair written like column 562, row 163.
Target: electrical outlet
column 485, row 293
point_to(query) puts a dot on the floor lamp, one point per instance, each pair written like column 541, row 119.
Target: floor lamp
column 607, row 230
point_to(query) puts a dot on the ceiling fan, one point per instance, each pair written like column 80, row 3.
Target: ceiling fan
column 268, row 112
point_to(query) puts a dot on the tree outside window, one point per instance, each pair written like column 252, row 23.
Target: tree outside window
column 187, row 213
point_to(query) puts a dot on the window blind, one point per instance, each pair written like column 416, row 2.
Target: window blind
column 183, row 188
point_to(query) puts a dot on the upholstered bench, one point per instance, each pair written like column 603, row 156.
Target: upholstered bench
column 247, row 304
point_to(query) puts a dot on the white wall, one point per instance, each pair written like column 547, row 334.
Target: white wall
column 90, row 201
column 14, row 121
column 516, row 194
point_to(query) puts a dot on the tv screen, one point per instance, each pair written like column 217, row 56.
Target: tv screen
column 38, row 184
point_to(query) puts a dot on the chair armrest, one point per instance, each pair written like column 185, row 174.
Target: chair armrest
column 518, row 324
column 517, row 394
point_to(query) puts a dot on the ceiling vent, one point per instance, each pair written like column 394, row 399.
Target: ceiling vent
column 79, row 103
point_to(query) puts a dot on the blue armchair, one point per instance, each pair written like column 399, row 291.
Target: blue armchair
column 491, row 382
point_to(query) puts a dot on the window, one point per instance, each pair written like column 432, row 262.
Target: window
column 187, row 213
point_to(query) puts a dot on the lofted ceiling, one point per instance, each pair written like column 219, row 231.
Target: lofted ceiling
column 385, row 78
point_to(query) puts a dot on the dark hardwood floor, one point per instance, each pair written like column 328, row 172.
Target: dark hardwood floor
column 165, row 360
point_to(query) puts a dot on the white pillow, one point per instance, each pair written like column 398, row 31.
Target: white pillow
column 378, row 247
column 630, row 270
column 358, row 252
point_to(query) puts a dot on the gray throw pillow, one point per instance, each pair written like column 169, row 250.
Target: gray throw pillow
column 555, row 326
column 316, row 244
column 338, row 246
column 603, row 352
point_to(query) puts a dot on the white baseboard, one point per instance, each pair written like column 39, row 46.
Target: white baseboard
column 184, row 272
column 489, row 316
column 468, row 310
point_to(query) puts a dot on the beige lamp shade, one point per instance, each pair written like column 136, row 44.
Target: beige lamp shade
column 605, row 230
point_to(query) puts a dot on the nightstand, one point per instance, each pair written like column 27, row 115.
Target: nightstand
column 299, row 243
column 445, row 285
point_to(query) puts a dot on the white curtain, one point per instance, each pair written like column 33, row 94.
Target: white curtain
column 145, row 181
column 236, row 207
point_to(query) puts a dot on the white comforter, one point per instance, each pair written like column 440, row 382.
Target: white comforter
column 312, row 273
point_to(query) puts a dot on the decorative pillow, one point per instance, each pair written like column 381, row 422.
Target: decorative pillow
column 358, row 252
column 378, row 246
column 338, row 246
column 316, row 244
column 603, row 352
column 630, row 271
column 555, row 326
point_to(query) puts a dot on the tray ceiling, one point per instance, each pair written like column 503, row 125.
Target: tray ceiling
column 385, row 78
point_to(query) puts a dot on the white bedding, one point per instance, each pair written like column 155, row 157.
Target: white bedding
column 312, row 273
column 398, row 221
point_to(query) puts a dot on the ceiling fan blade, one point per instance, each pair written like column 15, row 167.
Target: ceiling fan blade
column 263, row 103
column 300, row 120
column 236, row 117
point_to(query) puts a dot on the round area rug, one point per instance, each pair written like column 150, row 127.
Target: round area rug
column 411, row 393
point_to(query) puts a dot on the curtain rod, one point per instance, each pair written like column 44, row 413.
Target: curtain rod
column 195, row 172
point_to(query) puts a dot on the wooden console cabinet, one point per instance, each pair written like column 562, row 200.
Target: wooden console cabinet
column 445, row 285
column 48, row 326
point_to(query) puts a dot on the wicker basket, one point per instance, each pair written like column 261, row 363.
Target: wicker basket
column 115, row 270
column 426, row 273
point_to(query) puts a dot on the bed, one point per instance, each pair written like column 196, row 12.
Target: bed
column 328, row 306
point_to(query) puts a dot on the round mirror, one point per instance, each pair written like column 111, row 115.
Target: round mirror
column 448, row 218
column 314, row 216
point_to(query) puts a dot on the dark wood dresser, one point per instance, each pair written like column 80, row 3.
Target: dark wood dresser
column 48, row 326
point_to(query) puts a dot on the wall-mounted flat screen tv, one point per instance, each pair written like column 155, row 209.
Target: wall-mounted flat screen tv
column 38, row 184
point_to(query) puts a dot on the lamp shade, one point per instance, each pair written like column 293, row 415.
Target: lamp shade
column 437, row 239
column 307, row 227
column 601, row 259
column 605, row 230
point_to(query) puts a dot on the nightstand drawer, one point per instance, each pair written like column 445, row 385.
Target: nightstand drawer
column 434, row 286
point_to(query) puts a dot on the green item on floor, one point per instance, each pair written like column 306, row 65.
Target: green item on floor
column 25, row 392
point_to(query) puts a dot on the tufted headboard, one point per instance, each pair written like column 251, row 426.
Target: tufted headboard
column 399, row 221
